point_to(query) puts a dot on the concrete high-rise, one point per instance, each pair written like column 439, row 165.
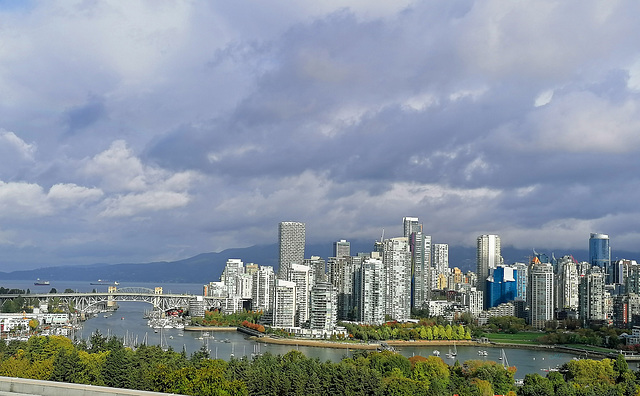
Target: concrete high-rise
column 373, row 294
column 284, row 304
column 324, row 300
column 592, row 296
column 291, row 241
column 420, row 246
column 411, row 225
column 397, row 263
column 488, row 257
column 440, row 257
column 299, row 274
column 342, row 248
column 540, row 296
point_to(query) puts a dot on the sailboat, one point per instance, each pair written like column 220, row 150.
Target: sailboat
column 455, row 350
column 503, row 357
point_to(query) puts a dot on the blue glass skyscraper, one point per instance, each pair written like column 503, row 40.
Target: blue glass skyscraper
column 501, row 286
column 599, row 250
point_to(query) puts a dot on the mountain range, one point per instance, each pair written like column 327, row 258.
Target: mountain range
column 207, row 267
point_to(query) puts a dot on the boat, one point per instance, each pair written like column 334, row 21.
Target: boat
column 503, row 357
column 39, row 282
column 455, row 350
column 101, row 282
column 436, row 352
column 482, row 353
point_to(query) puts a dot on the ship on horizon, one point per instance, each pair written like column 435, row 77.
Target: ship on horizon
column 39, row 282
column 102, row 282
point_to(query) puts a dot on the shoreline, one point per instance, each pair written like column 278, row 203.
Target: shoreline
column 209, row 328
column 427, row 343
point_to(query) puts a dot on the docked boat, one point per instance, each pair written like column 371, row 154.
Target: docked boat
column 436, row 352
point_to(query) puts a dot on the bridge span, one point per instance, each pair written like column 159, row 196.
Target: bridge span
column 81, row 302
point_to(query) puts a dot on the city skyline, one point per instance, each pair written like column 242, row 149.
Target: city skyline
column 133, row 132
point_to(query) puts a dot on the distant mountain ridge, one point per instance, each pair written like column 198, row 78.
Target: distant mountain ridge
column 207, row 267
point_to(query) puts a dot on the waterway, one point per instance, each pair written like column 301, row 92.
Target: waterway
column 128, row 322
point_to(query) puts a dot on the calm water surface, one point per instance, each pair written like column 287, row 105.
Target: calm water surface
column 128, row 322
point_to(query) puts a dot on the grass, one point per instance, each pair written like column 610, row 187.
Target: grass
column 524, row 338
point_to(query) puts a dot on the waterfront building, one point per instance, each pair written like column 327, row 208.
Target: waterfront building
column 475, row 301
column 215, row 289
column 324, row 301
column 233, row 269
column 262, row 291
column 397, row 263
column 197, row 307
column 592, row 296
column 501, row 285
column 291, row 241
column 299, row 275
column 283, row 312
column 342, row 248
column 373, row 295
column 488, row 257
column 540, row 296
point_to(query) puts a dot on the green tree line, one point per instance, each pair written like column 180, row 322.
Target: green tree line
column 407, row 331
column 105, row 361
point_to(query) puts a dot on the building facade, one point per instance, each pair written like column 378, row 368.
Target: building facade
column 291, row 242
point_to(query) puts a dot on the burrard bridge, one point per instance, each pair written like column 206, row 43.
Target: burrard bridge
column 84, row 302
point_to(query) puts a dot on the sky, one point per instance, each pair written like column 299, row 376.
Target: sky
column 136, row 131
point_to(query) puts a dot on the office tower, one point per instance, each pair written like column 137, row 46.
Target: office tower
column 488, row 257
column 501, row 285
column 420, row 246
column 632, row 283
column 592, row 296
column 440, row 257
column 397, row 263
column 523, row 278
column 324, row 300
column 373, row 295
column 540, row 296
column 600, row 254
column 342, row 248
column 232, row 271
column 284, row 304
column 299, row 274
column 411, row 225
column 621, row 269
column 291, row 239
column 262, row 291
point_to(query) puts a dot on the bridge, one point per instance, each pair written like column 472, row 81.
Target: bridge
column 81, row 302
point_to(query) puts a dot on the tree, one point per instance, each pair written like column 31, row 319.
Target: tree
column 33, row 324
column 536, row 385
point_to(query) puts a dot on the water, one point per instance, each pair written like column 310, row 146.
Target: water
column 128, row 322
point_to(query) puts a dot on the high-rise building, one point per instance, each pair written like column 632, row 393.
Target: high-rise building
column 411, row 225
column 523, row 278
column 230, row 276
column 600, row 251
column 420, row 246
column 342, row 248
column 284, row 304
column 440, row 257
column 262, row 291
column 324, row 301
column 540, row 296
column 501, row 285
column 291, row 240
column 488, row 257
column 299, row 274
column 397, row 263
column 567, row 284
column 592, row 296
column 317, row 271
column 373, row 294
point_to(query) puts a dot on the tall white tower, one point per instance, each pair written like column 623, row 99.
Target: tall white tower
column 291, row 240
column 540, row 294
column 488, row 257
